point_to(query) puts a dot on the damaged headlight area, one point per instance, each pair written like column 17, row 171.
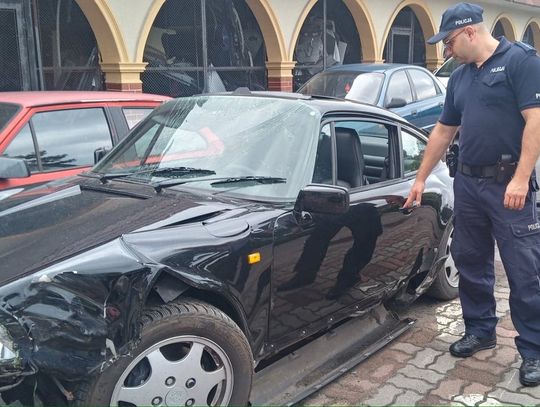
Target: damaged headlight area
column 8, row 356
column 13, row 369
column 7, row 353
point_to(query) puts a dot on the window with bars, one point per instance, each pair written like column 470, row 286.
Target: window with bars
column 318, row 48
column 47, row 45
column 197, row 46
column 68, row 57
column 405, row 43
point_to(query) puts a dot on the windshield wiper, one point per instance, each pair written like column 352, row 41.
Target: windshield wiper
column 253, row 179
column 167, row 171
column 250, row 179
column 181, row 171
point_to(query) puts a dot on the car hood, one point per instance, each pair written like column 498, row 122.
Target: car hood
column 41, row 226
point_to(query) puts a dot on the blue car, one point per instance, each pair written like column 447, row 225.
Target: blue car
column 408, row 90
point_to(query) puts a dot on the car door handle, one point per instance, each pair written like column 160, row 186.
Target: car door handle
column 441, row 104
column 406, row 211
column 414, row 112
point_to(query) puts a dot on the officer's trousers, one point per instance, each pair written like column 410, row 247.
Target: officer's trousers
column 480, row 219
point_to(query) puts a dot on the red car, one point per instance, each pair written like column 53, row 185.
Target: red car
column 49, row 135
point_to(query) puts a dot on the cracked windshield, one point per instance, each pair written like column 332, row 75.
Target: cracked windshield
column 246, row 144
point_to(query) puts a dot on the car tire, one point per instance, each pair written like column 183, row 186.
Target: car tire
column 446, row 284
column 203, row 358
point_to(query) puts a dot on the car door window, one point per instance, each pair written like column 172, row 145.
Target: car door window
column 398, row 88
column 7, row 112
column 134, row 115
column 412, row 151
column 423, row 84
column 22, row 146
column 68, row 138
column 362, row 152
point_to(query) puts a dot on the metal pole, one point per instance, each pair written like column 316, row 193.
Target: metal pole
column 57, row 61
column 411, row 40
column 324, row 35
column 34, row 11
column 204, row 45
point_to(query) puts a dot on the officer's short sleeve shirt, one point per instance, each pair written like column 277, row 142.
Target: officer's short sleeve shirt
column 487, row 102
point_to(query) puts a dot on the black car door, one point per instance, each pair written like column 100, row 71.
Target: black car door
column 329, row 265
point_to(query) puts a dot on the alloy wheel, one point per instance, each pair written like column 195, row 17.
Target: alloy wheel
column 179, row 371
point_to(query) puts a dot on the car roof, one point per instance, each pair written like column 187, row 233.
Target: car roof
column 369, row 67
column 40, row 98
column 322, row 103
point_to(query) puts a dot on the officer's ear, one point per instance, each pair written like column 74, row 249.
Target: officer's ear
column 470, row 31
column 477, row 30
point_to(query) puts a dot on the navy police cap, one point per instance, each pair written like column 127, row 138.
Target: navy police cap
column 460, row 15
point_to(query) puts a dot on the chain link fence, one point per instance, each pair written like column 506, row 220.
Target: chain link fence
column 47, row 45
column 405, row 43
column 11, row 78
column 198, row 46
column 328, row 37
column 66, row 46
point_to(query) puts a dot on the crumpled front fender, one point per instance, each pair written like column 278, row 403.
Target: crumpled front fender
column 76, row 317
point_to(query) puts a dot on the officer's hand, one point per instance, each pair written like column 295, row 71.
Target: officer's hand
column 515, row 195
column 415, row 195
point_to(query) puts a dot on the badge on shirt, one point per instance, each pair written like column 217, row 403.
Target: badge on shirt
column 497, row 69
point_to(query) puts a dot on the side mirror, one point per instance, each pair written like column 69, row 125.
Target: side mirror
column 13, row 168
column 99, row 153
column 317, row 198
column 396, row 102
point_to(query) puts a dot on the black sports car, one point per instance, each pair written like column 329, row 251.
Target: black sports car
column 212, row 247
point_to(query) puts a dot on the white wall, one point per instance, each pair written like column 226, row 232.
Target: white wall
column 130, row 16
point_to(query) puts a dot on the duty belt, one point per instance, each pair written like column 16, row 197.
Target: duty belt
column 488, row 171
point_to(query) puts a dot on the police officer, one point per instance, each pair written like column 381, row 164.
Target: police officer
column 495, row 98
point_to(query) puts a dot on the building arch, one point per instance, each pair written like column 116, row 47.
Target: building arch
column 261, row 9
column 365, row 28
column 423, row 14
column 209, row 46
column 121, row 74
column 147, row 26
column 110, row 40
column 534, row 25
column 298, row 27
column 270, row 28
column 507, row 25
column 362, row 20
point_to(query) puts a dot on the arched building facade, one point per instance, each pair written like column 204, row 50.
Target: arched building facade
column 181, row 47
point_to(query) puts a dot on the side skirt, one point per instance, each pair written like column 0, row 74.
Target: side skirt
column 309, row 368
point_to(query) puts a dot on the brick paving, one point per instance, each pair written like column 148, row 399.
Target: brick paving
column 417, row 369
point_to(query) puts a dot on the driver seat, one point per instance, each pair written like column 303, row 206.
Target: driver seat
column 350, row 158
